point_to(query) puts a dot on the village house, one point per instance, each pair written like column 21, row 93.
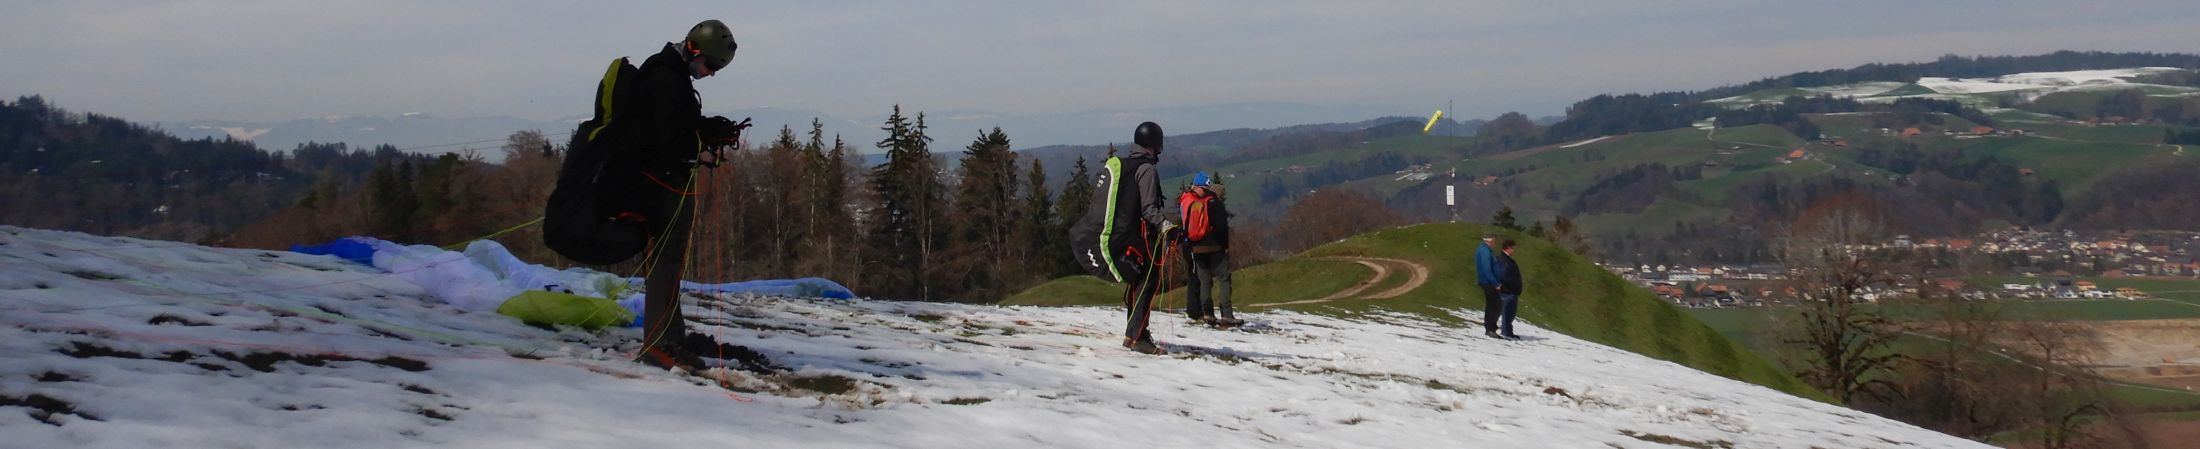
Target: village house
column 1949, row 285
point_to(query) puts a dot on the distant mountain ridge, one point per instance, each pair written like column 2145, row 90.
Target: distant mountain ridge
column 433, row 134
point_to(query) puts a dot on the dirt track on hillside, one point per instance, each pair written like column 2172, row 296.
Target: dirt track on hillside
column 1382, row 267
column 2155, row 352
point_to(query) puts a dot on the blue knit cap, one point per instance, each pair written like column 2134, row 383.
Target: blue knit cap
column 1199, row 179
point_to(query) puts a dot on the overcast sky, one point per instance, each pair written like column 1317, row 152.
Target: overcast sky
column 274, row 60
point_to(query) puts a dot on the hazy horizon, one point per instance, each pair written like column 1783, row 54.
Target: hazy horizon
column 261, row 61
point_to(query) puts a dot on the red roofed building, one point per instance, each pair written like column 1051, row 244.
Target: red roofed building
column 1953, row 285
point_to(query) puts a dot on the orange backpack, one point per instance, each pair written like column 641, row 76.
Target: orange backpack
column 1195, row 210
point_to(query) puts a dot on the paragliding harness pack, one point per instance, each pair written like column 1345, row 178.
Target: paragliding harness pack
column 1111, row 241
column 587, row 219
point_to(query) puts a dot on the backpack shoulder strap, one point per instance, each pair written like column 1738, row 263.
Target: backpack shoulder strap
column 611, row 96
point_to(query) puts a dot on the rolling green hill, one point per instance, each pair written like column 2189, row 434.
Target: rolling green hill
column 1245, row 177
column 1717, row 172
column 1565, row 293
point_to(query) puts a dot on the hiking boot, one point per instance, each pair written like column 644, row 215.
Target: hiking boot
column 670, row 357
column 1491, row 334
column 1144, row 346
column 1510, row 337
column 704, row 347
column 1226, row 322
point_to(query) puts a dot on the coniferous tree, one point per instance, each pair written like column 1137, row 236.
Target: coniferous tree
column 778, row 185
column 1076, row 197
column 810, row 203
column 903, row 233
column 1041, row 244
column 840, row 231
column 984, row 224
column 391, row 201
column 931, row 196
column 1504, row 219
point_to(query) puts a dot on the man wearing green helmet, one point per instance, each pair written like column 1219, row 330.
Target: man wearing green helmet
column 670, row 139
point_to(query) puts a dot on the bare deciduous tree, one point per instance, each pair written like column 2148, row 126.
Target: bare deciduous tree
column 1837, row 342
column 1331, row 214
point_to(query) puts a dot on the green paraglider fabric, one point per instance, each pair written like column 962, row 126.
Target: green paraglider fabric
column 548, row 307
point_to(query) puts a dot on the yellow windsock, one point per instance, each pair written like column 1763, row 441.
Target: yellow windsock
column 1432, row 121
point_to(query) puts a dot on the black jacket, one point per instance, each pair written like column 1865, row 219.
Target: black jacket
column 672, row 115
column 1508, row 274
column 660, row 143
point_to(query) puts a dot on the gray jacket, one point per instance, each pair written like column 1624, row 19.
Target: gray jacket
column 1147, row 180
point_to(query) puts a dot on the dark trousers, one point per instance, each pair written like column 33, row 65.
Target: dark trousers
column 1210, row 285
column 661, row 319
column 1138, row 298
column 1512, row 309
column 1491, row 305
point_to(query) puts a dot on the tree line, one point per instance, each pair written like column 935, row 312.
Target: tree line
column 93, row 173
column 919, row 224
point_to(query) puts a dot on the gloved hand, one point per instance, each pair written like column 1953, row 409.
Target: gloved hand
column 719, row 134
column 721, row 129
column 1172, row 232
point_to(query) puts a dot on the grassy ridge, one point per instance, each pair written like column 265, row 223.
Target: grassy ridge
column 1565, row 293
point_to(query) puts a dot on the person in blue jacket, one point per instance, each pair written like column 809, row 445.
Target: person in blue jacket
column 1485, row 276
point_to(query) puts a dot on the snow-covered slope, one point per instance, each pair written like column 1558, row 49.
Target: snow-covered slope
column 123, row 343
column 1982, row 92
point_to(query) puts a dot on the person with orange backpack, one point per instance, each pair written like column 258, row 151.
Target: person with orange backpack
column 1207, row 245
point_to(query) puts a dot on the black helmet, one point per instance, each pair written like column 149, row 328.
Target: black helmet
column 1148, row 136
column 712, row 41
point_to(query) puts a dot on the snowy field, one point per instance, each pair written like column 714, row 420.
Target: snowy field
column 1961, row 86
column 2029, row 85
column 124, row 343
column 2082, row 77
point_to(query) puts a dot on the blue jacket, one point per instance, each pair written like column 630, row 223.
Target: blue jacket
column 1485, row 265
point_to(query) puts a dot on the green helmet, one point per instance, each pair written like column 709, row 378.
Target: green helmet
column 714, row 42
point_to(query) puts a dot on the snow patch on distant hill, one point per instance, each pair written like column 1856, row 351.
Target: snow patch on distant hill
column 2082, row 77
column 1980, row 92
column 1960, row 86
